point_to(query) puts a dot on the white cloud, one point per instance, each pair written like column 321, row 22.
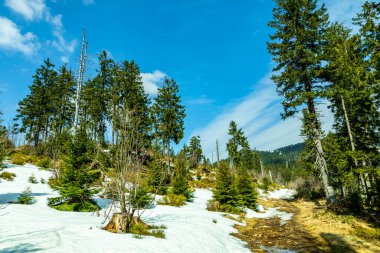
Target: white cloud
column 37, row 10
column 202, row 100
column 259, row 116
column 29, row 9
column 152, row 80
column 11, row 38
column 88, row 2
column 343, row 10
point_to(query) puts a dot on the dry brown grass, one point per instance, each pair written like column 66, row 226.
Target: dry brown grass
column 312, row 229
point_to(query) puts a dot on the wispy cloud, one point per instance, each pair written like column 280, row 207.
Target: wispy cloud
column 11, row 38
column 152, row 81
column 35, row 10
column 259, row 115
column 88, row 2
column 202, row 100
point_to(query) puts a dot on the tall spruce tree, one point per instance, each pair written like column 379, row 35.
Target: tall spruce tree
column 296, row 47
column 180, row 177
column 195, row 151
column 236, row 144
column 169, row 115
column 225, row 191
column 35, row 110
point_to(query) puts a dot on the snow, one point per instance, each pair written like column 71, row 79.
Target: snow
column 282, row 194
column 39, row 228
column 270, row 213
column 260, row 212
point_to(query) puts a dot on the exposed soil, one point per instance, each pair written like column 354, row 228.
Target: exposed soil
column 312, row 229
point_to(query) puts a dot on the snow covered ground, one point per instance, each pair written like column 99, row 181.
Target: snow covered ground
column 263, row 213
column 39, row 228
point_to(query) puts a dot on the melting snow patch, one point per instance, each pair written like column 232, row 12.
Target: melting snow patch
column 270, row 213
column 282, row 194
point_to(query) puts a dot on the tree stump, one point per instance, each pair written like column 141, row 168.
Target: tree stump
column 121, row 221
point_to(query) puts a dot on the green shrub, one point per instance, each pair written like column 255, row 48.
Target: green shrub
column 43, row 163
column 204, row 183
column 308, row 188
column 7, row 176
column 32, row 179
column 18, row 159
column 25, row 197
column 53, row 182
column 215, row 206
column 31, row 159
column 173, row 200
column 85, row 206
column 141, row 229
column 42, row 181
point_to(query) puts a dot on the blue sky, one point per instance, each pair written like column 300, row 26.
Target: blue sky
column 215, row 50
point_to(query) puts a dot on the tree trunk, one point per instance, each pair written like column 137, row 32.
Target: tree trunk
column 262, row 168
column 329, row 192
column 321, row 161
column 168, row 154
column 348, row 126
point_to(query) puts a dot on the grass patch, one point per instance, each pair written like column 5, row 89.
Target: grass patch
column 139, row 230
column 7, row 176
column 367, row 233
column 172, row 200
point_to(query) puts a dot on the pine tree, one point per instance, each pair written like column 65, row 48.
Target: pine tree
column 296, row 46
column 169, row 115
column 225, row 191
column 3, row 140
column 157, row 177
column 180, row 177
column 195, row 151
column 247, row 194
column 35, row 110
column 74, row 182
column 236, row 144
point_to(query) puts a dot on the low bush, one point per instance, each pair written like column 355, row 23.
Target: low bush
column 33, row 159
column 215, row 206
column 308, row 188
column 43, row 163
column 32, row 179
column 84, row 206
column 204, row 183
column 18, row 159
column 267, row 185
column 25, row 197
column 172, row 200
column 42, row 181
column 141, row 229
column 7, row 175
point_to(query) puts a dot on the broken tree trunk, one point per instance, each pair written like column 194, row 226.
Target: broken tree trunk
column 123, row 222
